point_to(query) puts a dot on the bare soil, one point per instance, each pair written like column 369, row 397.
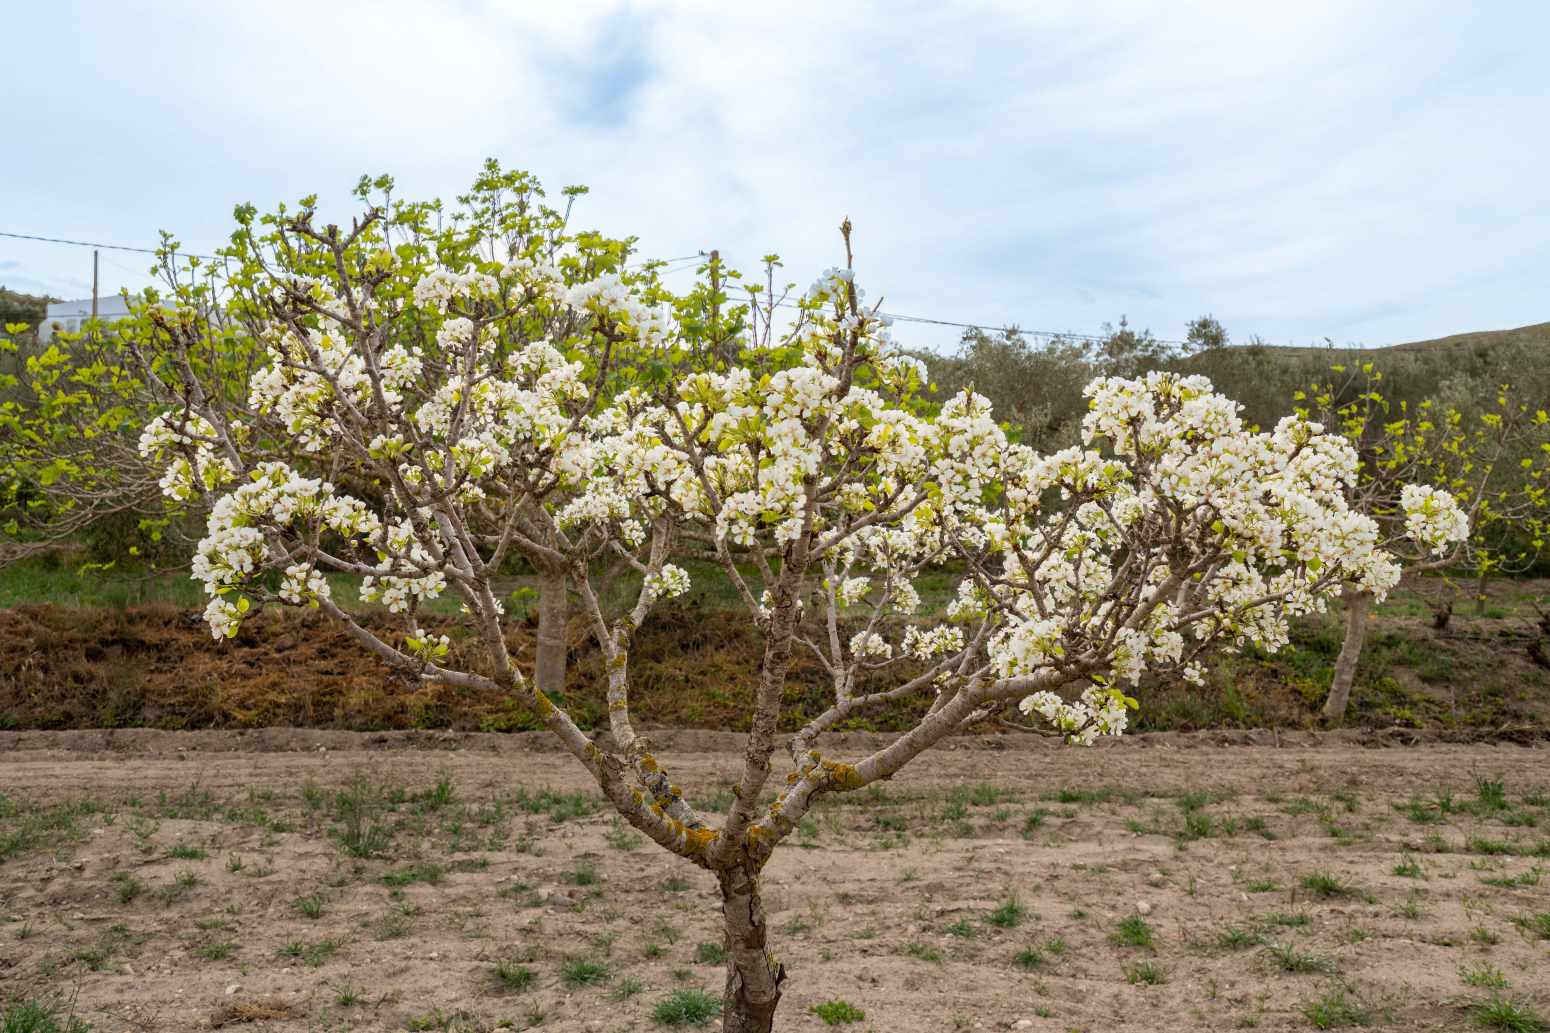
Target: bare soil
column 1147, row 858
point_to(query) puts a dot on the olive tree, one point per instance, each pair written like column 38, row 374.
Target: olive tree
column 1172, row 528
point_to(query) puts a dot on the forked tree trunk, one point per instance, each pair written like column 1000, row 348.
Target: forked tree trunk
column 753, row 977
column 1345, row 666
column 553, row 621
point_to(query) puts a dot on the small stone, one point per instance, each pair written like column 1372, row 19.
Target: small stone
column 233, row 988
column 283, row 971
column 433, row 955
column 1143, row 908
column 77, row 916
column 128, row 970
column 1022, row 1024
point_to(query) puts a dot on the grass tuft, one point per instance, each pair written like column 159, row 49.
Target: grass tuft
column 1510, row 1013
column 1030, row 956
column 1343, row 1005
column 1009, row 913
column 836, row 1012
column 1134, row 931
column 1147, row 972
column 691, row 1007
column 581, row 970
column 1290, row 958
column 513, row 976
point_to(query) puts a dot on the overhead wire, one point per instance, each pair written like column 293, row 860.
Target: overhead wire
column 108, row 247
column 1050, row 334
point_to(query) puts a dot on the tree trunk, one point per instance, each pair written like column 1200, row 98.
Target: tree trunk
column 753, row 977
column 1345, row 666
column 553, row 621
column 1480, row 587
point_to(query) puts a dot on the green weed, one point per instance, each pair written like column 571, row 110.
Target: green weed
column 685, row 1007
column 513, row 976
column 1146, row 972
column 1290, row 958
column 836, row 1012
column 1134, row 931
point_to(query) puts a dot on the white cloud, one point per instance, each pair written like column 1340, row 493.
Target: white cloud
column 1370, row 172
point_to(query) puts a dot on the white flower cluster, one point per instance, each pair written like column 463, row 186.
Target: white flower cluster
column 309, row 382
column 236, row 546
column 1433, row 516
column 853, row 590
column 942, row 640
column 608, row 295
column 1098, row 712
column 440, row 287
column 175, row 434
column 668, row 583
column 870, row 645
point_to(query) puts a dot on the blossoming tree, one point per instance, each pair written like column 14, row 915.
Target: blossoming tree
column 1482, row 483
column 84, row 442
column 1175, row 529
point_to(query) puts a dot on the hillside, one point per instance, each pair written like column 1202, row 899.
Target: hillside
column 1538, row 334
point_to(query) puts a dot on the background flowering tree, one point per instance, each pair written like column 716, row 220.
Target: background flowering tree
column 1173, row 529
column 70, row 427
column 1495, row 470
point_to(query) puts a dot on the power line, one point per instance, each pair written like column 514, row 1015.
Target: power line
column 1051, row 334
column 213, row 258
column 665, row 261
column 110, row 247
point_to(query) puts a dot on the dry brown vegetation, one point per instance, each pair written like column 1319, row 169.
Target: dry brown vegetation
column 693, row 663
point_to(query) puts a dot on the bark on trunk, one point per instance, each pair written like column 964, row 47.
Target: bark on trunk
column 1480, row 588
column 753, row 977
column 1345, row 666
column 553, row 619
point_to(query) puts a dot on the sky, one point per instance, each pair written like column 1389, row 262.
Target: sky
column 1369, row 172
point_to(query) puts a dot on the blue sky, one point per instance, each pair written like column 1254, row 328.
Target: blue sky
column 1370, row 172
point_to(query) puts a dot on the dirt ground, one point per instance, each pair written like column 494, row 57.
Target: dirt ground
column 291, row 879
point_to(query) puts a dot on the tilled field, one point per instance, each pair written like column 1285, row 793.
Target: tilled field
column 309, row 880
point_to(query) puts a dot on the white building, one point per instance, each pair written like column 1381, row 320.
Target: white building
column 70, row 316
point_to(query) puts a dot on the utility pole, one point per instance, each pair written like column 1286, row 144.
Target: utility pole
column 94, row 285
column 715, row 305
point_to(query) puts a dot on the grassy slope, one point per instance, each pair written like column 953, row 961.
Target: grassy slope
column 1537, row 334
